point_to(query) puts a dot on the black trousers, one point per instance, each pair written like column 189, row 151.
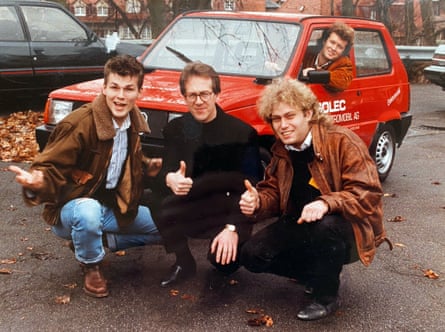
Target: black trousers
column 202, row 218
column 312, row 253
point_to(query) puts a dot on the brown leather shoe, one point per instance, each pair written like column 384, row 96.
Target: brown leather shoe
column 95, row 284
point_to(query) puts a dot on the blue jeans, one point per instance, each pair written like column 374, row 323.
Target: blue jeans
column 85, row 220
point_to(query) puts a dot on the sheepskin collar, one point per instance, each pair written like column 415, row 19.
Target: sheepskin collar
column 104, row 123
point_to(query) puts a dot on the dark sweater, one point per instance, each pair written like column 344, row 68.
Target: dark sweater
column 301, row 192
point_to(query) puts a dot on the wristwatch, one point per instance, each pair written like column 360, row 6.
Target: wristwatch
column 230, row 227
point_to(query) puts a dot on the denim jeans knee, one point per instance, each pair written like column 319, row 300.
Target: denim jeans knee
column 82, row 220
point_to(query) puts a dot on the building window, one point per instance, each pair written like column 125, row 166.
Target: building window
column 102, row 9
column 80, row 9
column 133, row 6
column 229, row 5
column 436, row 7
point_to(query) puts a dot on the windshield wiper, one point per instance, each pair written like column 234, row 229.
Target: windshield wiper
column 180, row 55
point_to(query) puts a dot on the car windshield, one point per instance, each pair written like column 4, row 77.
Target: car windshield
column 240, row 47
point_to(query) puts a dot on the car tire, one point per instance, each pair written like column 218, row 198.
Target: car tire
column 383, row 150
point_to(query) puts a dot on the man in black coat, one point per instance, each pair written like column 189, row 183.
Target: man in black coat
column 208, row 154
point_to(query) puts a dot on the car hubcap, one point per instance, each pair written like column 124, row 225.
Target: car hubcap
column 384, row 152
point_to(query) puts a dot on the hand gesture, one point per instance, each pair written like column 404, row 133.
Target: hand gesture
column 225, row 245
column 31, row 180
column 250, row 200
column 313, row 211
column 177, row 182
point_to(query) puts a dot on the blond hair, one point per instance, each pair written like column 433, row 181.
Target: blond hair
column 294, row 94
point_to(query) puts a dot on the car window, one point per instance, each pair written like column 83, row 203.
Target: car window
column 370, row 54
column 240, row 47
column 52, row 24
column 10, row 28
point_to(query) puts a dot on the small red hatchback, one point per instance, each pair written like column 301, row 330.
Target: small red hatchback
column 248, row 50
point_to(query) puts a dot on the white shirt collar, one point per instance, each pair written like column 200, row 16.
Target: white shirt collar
column 306, row 143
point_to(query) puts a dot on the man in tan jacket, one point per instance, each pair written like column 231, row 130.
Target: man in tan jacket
column 89, row 175
column 324, row 187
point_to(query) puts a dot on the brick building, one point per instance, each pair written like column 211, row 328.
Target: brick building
column 131, row 18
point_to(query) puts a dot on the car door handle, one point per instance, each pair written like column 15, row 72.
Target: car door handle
column 39, row 51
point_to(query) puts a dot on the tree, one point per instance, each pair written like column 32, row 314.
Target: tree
column 159, row 16
column 347, row 8
column 426, row 8
column 181, row 6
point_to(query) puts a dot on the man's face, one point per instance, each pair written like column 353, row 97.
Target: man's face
column 290, row 124
column 333, row 47
column 120, row 94
column 200, row 98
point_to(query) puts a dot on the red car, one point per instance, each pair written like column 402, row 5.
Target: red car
column 248, row 50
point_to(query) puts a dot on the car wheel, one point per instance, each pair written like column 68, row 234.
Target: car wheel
column 383, row 150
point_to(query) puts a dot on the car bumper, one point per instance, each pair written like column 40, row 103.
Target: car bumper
column 151, row 147
column 435, row 74
column 405, row 123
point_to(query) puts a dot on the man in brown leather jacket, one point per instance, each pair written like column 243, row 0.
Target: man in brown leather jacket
column 90, row 173
column 324, row 187
column 333, row 57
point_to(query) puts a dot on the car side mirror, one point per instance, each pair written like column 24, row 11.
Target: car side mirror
column 318, row 76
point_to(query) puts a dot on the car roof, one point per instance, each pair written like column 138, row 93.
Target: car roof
column 281, row 16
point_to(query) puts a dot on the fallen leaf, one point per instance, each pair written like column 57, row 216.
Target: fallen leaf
column 174, row 292
column 430, row 274
column 43, row 256
column 262, row 320
column 389, row 195
column 17, row 136
column 397, row 219
column 120, row 253
column 70, row 285
column 188, row 297
column 401, row 245
column 436, row 183
column 64, row 299
column 254, row 311
column 267, row 320
column 254, row 322
column 5, row 271
column 8, row 261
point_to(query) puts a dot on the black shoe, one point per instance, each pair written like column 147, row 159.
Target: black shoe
column 316, row 310
column 178, row 273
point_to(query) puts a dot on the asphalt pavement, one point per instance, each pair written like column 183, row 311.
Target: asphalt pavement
column 41, row 283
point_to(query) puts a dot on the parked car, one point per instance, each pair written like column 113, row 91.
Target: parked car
column 436, row 71
column 44, row 47
column 249, row 50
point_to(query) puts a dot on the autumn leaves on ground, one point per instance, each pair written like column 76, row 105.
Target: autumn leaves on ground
column 17, row 136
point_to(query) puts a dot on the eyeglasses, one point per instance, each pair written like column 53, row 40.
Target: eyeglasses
column 203, row 95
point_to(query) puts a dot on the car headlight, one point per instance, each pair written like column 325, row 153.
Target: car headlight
column 59, row 109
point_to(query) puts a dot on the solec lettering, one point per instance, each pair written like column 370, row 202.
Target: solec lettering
column 333, row 106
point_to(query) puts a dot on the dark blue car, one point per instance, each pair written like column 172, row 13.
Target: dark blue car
column 44, row 47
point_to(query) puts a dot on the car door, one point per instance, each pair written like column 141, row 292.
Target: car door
column 63, row 50
column 343, row 106
column 16, row 72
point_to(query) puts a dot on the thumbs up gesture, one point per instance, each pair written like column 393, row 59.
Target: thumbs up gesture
column 250, row 200
column 178, row 182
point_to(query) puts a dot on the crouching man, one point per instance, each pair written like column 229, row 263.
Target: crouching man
column 89, row 175
column 324, row 187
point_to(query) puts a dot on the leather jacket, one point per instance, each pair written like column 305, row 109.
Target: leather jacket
column 347, row 178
